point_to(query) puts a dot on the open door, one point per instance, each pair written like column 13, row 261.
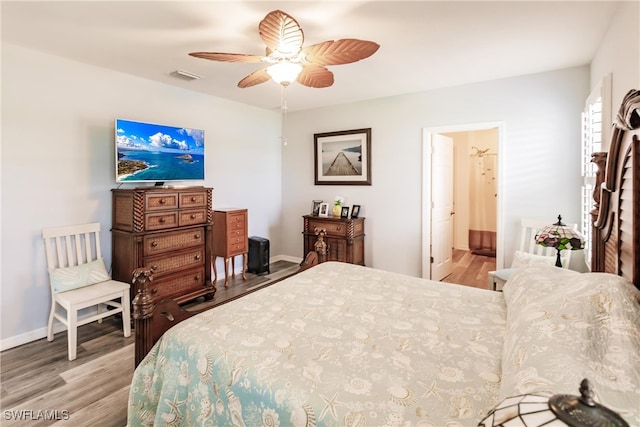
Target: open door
column 438, row 240
column 441, row 206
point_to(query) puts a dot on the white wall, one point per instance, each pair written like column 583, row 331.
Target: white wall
column 619, row 54
column 541, row 113
column 58, row 163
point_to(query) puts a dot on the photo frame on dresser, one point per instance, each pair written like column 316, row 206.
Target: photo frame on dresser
column 355, row 211
column 315, row 207
column 324, row 209
column 344, row 213
column 343, row 158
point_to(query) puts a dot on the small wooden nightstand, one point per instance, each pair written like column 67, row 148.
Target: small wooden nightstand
column 229, row 240
column 344, row 237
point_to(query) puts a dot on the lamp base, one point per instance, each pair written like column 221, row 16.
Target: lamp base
column 558, row 261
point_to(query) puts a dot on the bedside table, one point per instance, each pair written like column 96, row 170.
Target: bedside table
column 344, row 237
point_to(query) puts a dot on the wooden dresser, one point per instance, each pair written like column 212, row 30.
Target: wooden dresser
column 230, row 239
column 168, row 230
column 344, row 237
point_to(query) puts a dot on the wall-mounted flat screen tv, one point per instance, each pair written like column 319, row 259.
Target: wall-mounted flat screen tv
column 147, row 152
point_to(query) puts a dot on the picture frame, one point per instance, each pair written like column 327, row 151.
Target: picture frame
column 343, row 158
column 324, row 209
column 315, row 207
column 344, row 213
column 355, row 211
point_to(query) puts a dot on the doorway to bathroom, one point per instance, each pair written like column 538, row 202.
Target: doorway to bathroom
column 475, row 217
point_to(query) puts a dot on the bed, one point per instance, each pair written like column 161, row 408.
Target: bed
column 340, row 344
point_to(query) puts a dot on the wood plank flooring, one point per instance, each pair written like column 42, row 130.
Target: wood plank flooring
column 470, row 269
column 93, row 390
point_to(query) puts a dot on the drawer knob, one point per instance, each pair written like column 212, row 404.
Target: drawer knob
column 162, row 220
column 193, row 216
column 197, row 257
column 197, row 277
column 154, row 244
column 197, row 236
column 163, row 201
column 193, row 199
column 154, row 267
column 154, row 291
column 338, row 228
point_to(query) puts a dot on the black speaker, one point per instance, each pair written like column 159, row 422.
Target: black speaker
column 258, row 255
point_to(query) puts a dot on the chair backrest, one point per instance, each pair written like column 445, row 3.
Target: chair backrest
column 72, row 245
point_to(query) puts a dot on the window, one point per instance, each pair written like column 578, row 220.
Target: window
column 596, row 127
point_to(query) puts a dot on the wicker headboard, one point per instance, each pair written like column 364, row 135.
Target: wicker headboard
column 616, row 216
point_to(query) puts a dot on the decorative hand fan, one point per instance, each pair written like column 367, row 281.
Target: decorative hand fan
column 289, row 60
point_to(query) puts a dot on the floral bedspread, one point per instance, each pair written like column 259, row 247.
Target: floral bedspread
column 336, row 345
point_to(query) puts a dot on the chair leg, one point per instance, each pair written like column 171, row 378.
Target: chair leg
column 100, row 311
column 72, row 332
column 126, row 314
column 492, row 282
column 50, row 323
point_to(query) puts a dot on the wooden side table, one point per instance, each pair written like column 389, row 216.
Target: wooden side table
column 229, row 240
column 343, row 237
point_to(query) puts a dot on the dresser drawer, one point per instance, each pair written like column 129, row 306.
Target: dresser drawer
column 165, row 264
column 234, row 233
column 173, row 241
column 332, row 228
column 192, row 217
column 237, row 221
column 178, row 284
column 236, row 245
column 161, row 220
column 160, row 201
column 195, row 199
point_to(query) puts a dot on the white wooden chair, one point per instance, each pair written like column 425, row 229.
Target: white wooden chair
column 528, row 230
column 79, row 280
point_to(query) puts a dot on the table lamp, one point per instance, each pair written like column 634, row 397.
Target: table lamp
column 534, row 410
column 561, row 237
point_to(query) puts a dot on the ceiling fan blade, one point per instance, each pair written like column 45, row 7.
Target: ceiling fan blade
column 337, row 52
column 254, row 78
column 315, row 76
column 281, row 33
column 227, row 57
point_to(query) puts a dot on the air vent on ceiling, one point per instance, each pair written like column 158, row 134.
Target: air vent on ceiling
column 185, row 75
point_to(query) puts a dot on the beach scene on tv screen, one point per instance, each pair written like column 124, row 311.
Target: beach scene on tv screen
column 152, row 152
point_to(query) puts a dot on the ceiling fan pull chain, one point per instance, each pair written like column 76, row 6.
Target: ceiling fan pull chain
column 283, row 114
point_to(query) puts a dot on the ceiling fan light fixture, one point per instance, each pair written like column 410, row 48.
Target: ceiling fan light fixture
column 284, row 72
column 288, row 60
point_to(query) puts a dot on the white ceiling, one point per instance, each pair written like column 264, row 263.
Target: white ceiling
column 423, row 44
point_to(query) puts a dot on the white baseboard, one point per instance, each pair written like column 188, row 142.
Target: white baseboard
column 30, row 336
column 40, row 333
column 297, row 260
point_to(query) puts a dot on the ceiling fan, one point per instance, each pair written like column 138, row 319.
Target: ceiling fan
column 289, row 60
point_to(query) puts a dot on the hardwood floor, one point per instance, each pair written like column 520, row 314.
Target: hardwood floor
column 470, row 269
column 39, row 384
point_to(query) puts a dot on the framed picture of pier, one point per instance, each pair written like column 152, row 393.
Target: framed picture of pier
column 343, row 158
